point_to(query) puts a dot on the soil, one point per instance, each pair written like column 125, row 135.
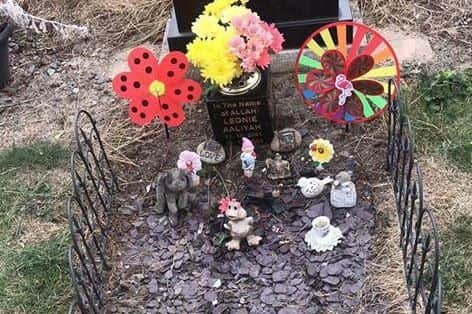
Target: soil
column 187, row 269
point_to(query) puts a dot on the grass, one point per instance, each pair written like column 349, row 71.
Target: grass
column 42, row 155
column 33, row 274
column 35, row 279
column 442, row 116
column 456, row 266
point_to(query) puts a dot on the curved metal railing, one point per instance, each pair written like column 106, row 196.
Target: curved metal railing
column 419, row 240
column 88, row 208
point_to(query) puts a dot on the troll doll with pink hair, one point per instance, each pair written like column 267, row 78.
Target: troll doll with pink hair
column 239, row 225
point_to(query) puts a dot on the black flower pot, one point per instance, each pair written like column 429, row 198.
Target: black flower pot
column 5, row 32
column 242, row 115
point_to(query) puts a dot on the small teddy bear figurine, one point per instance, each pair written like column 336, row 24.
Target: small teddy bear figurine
column 239, row 225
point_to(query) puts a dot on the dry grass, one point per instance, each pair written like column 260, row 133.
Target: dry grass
column 451, row 18
column 115, row 22
column 386, row 279
column 447, row 190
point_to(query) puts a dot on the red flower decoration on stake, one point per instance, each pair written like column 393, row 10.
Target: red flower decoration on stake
column 156, row 90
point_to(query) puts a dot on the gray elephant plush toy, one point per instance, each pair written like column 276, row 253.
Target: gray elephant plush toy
column 172, row 193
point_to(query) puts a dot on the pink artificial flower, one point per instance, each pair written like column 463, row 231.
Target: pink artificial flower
column 237, row 45
column 190, row 162
column 277, row 38
column 254, row 41
column 264, row 60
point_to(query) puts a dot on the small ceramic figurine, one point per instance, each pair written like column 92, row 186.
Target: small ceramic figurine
column 343, row 191
column 321, row 151
column 277, row 168
column 211, row 152
column 323, row 236
column 286, row 140
column 239, row 225
column 172, row 193
column 248, row 157
column 312, row 187
column 191, row 163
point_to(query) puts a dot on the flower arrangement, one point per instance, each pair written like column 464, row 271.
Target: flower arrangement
column 321, row 151
column 231, row 40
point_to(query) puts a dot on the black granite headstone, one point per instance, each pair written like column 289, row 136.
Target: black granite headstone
column 296, row 19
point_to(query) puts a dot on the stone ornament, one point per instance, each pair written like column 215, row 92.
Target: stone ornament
column 321, row 152
column 248, row 157
column 323, row 236
column 343, row 191
column 277, row 168
column 239, row 225
column 312, row 187
column 286, row 140
column 190, row 162
column 172, row 193
column 211, row 152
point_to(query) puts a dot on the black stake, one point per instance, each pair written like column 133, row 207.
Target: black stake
column 347, row 127
column 167, row 131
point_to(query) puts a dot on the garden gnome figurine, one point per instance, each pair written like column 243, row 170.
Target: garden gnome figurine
column 343, row 191
column 240, row 225
column 248, row 157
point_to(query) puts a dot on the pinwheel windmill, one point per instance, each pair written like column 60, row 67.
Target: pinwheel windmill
column 346, row 83
column 156, row 89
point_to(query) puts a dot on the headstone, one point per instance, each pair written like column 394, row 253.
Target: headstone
column 295, row 19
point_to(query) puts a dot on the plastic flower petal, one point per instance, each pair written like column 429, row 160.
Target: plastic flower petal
column 190, row 162
column 156, row 90
column 359, row 66
column 321, row 151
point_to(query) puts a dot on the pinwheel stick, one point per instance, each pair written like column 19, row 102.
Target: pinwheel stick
column 166, row 127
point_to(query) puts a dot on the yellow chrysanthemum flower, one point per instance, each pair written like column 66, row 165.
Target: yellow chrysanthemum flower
column 321, row 151
column 207, row 26
column 196, row 51
column 216, row 7
column 232, row 11
column 221, row 71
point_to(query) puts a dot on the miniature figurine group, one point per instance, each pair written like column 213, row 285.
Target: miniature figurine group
column 173, row 187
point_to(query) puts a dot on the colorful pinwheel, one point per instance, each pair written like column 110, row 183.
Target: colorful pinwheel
column 342, row 81
column 156, row 90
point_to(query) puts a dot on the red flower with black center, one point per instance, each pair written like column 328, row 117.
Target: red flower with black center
column 156, row 90
column 337, row 82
